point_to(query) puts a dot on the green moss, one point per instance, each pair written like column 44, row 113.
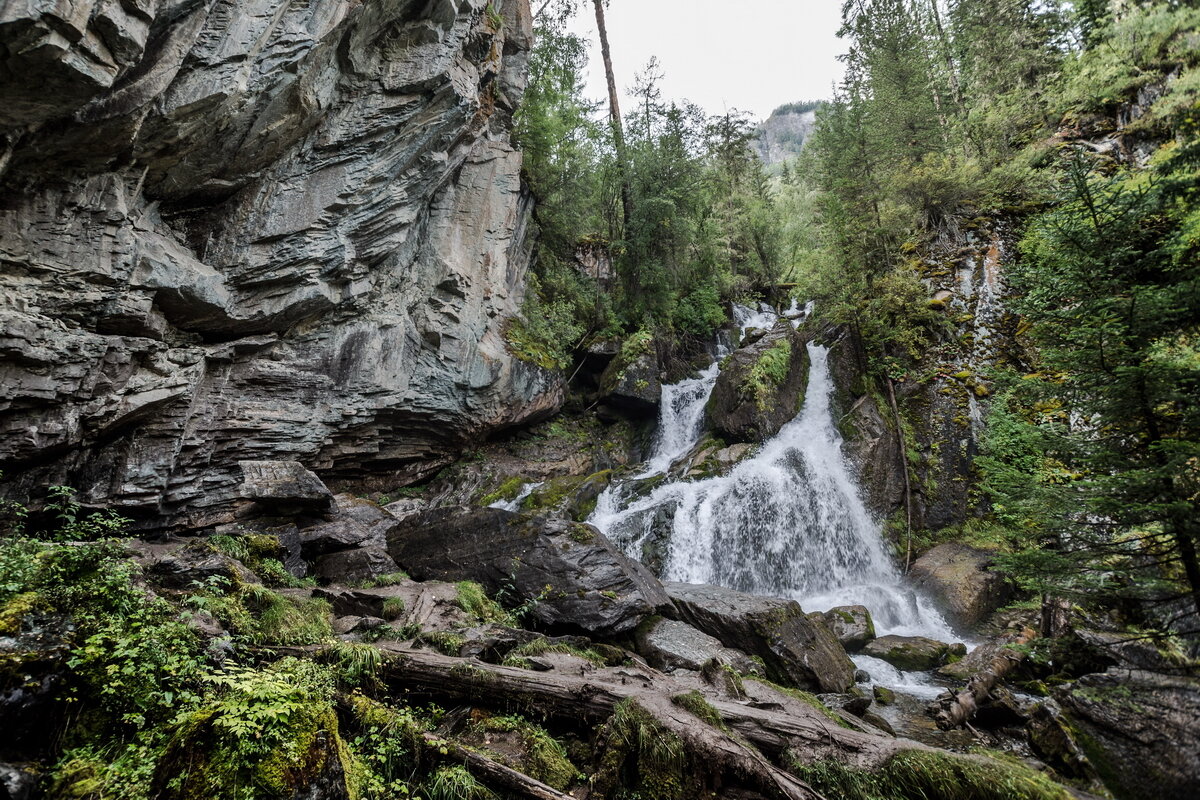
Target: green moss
column 552, row 493
column 264, row 735
column 519, row 656
column 694, row 703
column 643, row 756
column 13, row 612
column 582, row 534
column 929, row 775
column 545, row 757
column 768, row 374
column 473, row 600
column 393, row 608
column 506, row 491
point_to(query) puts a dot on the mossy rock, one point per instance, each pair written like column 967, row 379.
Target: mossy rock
column 552, row 494
column 206, row 760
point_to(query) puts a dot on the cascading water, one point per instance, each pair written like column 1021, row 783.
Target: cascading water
column 681, row 409
column 515, row 503
column 681, row 418
column 787, row 522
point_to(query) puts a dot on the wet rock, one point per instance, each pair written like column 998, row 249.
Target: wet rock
column 1140, row 731
column 909, row 653
column 430, row 606
column 851, row 703
column 354, row 566
column 1002, row 709
column 879, row 722
column 265, row 232
column 667, row 645
column 33, row 669
column 761, row 386
column 18, row 781
column 883, row 695
column 795, row 649
column 961, row 578
column 582, row 502
column 285, row 486
column 852, row 625
column 574, row 577
column 862, row 676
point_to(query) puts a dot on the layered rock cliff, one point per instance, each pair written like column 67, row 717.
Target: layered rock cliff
column 257, row 230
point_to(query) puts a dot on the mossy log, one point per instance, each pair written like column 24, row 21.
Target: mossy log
column 959, row 709
column 737, row 753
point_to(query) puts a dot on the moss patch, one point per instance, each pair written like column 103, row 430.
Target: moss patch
column 920, row 775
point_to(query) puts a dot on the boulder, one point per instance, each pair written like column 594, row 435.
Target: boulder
column 354, row 566
column 181, row 565
column 852, row 625
column 335, row 535
column 962, row 580
column 286, row 486
column 761, row 386
column 575, row 580
column 633, row 385
column 909, row 653
column 1054, row 742
column 1140, row 731
column 795, row 649
column 667, row 644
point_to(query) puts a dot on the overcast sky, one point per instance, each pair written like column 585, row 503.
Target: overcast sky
column 752, row 55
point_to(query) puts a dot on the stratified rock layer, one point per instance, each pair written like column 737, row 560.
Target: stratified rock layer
column 257, row 231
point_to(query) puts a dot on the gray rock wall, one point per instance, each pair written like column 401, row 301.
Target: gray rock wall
column 257, row 230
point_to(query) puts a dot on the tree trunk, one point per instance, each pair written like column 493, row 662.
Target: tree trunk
column 614, row 111
column 960, row 708
column 493, row 773
column 786, row 728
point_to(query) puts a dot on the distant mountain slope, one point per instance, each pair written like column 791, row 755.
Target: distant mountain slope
column 784, row 133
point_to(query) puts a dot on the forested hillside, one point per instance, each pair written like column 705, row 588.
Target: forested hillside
column 383, row 417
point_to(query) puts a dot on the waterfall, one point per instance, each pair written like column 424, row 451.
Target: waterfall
column 681, row 418
column 787, row 522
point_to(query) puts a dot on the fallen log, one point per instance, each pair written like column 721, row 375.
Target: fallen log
column 958, row 709
column 493, row 773
column 592, row 698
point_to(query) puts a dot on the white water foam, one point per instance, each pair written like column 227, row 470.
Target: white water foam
column 787, row 522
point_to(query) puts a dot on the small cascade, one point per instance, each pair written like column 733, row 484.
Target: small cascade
column 681, row 418
column 681, row 410
column 515, row 503
column 787, row 522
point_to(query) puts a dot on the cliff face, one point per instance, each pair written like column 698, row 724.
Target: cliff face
column 783, row 135
column 255, row 229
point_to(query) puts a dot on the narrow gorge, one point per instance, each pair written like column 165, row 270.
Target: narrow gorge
column 382, row 417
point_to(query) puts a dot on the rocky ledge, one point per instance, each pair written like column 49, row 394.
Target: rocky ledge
column 257, row 231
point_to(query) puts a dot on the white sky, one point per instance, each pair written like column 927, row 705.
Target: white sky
column 752, row 55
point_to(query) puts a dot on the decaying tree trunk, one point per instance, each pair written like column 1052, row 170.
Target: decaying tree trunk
column 961, row 707
column 787, row 727
column 493, row 773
